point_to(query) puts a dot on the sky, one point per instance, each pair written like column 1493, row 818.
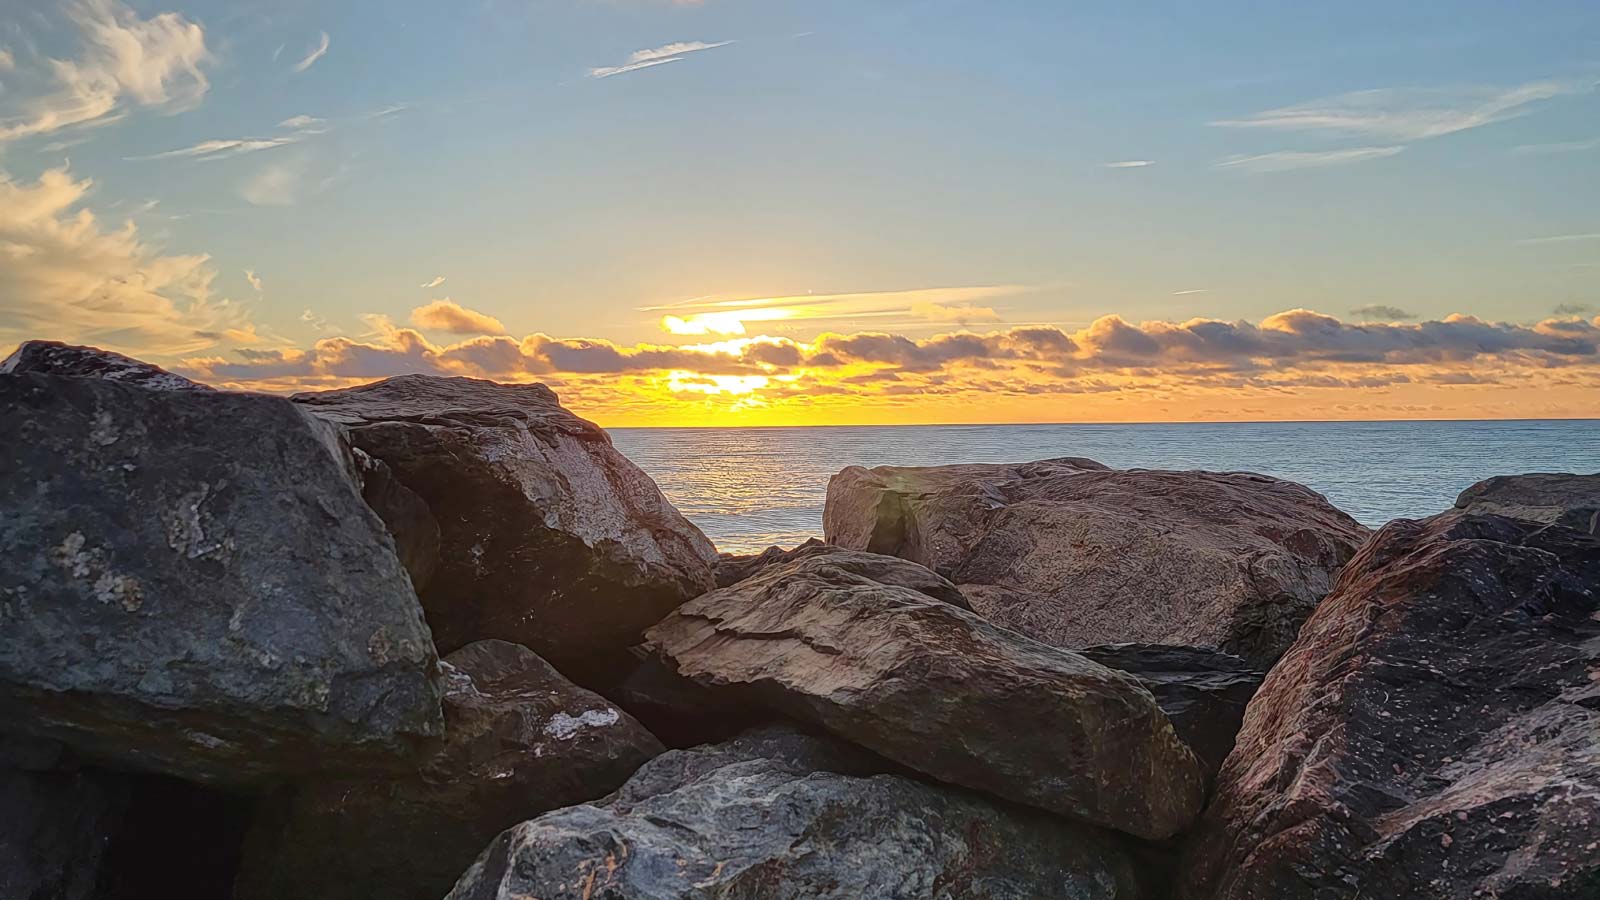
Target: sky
column 759, row 212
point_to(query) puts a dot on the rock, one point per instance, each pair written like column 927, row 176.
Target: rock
column 55, row 358
column 1074, row 554
column 192, row 585
column 675, row 709
column 1434, row 732
column 1552, row 498
column 1204, row 692
column 519, row 740
column 930, row 685
column 880, row 568
column 54, row 829
column 734, row 822
column 410, row 523
column 548, row 536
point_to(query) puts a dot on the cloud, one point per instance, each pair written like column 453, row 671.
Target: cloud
column 447, row 315
column 154, row 62
column 434, row 282
column 1409, row 114
column 66, row 276
column 1559, row 147
column 217, row 149
column 656, row 56
column 1191, row 291
column 253, row 278
column 1378, row 312
column 1128, row 164
column 8, row 60
column 1573, row 309
column 962, row 313
column 1290, row 160
column 704, row 316
column 1562, row 238
column 316, row 321
column 304, row 124
column 311, row 58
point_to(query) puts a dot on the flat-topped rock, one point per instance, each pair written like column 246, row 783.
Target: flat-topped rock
column 56, row 358
column 875, row 566
column 1075, row 554
column 1434, row 733
column 1551, row 498
column 548, row 537
column 933, row 687
column 795, row 818
column 520, row 740
column 192, row 585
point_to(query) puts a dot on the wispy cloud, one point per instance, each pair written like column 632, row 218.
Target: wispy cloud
column 1561, row 238
column 910, row 308
column 254, row 279
column 1289, row 160
column 1558, row 147
column 1378, row 312
column 1191, row 291
column 305, row 124
column 1128, row 164
column 154, row 62
column 311, row 58
column 656, row 56
column 8, row 60
column 1409, row 114
column 433, row 282
column 217, row 149
column 1573, row 309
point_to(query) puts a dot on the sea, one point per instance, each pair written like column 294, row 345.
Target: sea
column 751, row 488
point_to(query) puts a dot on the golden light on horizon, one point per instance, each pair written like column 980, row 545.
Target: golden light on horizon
column 726, row 323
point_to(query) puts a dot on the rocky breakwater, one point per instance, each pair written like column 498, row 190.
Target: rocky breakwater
column 1074, row 554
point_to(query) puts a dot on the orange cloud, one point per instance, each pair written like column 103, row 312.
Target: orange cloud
column 447, row 315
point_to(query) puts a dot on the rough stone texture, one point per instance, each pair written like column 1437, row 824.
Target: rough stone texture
column 189, row 583
column 548, row 536
column 1434, row 733
column 55, row 358
column 1563, row 499
column 1074, row 554
column 520, row 740
column 406, row 515
column 794, row 818
column 937, row 689
column 1204, row 692
column 877, row 566
column 54, row 829
column 675, row 709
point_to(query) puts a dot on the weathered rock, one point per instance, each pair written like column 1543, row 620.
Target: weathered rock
column 736, row 822
column 548, row 536
column 1552, row 498
column 55, row 358
column 880, row 568
column 1074, row 554
column 54, row 829
column 675, row 709
column 1204, row 692
column 1434, row 732
column 189, row 583
column 410, row 523
column 519, row 740
column 932, row 686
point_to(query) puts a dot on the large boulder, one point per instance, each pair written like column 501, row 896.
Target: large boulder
column 549, row 537
column 1204, row 692
column 519, row 740
column 1075, row 554
column 54, row 830
column 880, row 568
column 775, row 818
column 55, row 358
column 1434, row 732
column 934, row 687
column 1552, row 498
column 191, row 584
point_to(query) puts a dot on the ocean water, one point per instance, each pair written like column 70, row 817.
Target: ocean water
column 749, row 488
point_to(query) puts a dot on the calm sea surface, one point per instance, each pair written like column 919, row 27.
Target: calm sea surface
column 748, row 488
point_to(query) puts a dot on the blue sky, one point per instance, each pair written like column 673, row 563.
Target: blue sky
column 833, row 148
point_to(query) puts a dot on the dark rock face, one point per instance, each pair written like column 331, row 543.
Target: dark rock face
column 54, row 828
column 519, row 740
column 880, row 568
column 934, row 687
column 737, row 822
column 1434, row 733
column 410, row 523
column 1572, row 501
column 1074, row 554
column 192, row 585
column 548, row 536
column 1204, row 692
column 54, row 358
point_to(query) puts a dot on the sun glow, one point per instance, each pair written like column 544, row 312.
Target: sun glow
column 722, row 322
